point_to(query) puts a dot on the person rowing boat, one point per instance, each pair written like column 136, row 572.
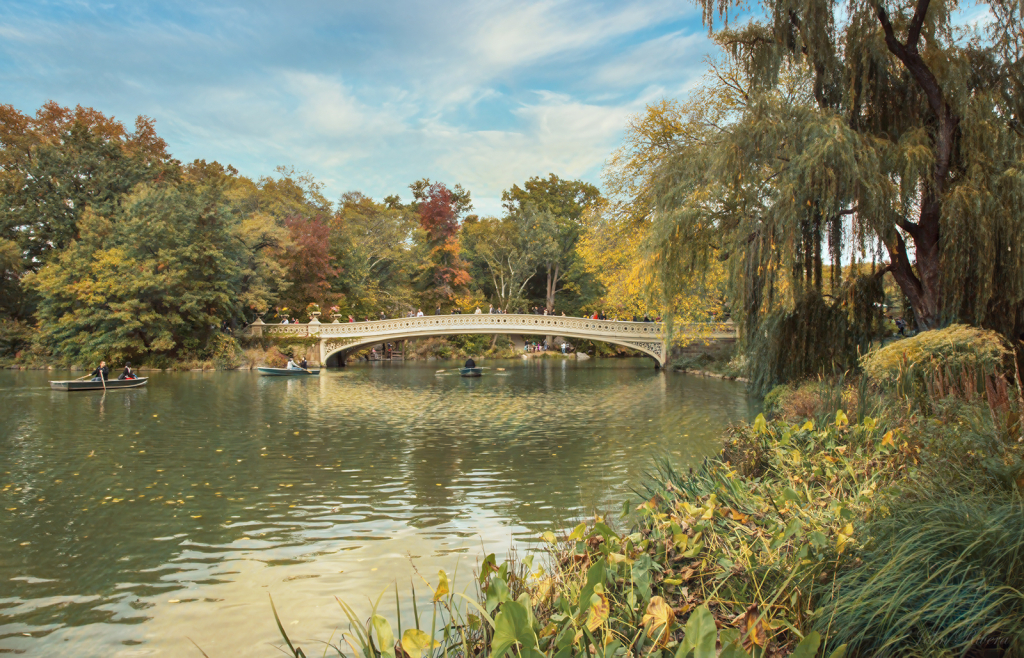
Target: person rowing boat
column 101, row 373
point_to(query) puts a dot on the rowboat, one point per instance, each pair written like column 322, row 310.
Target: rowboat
column 285, row 372
column 87, row 385
column 471, row 372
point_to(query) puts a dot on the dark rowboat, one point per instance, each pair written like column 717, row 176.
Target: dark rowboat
column 471, row 372
column 87, row 385
column 285, row 372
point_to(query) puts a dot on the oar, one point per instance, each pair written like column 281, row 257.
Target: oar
column 103, row 380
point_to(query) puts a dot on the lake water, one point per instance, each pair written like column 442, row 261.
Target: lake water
column 134, row 521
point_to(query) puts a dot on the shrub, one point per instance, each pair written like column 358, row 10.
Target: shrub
column 772, row 404
column 935, row 364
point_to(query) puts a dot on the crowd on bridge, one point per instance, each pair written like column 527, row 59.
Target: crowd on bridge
column 493, row 310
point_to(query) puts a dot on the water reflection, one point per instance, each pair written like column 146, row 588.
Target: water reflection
column 148, row 515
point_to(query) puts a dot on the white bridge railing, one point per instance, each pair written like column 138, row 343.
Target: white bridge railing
column 646, row 336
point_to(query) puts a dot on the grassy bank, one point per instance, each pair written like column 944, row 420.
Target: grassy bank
column 880, row 516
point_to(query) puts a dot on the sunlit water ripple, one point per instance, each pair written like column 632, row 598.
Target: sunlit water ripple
column 134, row 520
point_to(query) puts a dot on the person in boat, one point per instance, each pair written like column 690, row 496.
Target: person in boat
column 303, row 364
column 101, row 372
column 292, row 365
column 127, row 372
column 470, row 363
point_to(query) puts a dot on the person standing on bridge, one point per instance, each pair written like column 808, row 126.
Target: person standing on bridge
column 419, row 312
column 437, row 311
column 477, row 312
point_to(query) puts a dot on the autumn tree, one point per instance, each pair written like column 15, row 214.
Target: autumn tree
column 57, row 164
column 308, row 261
column 439, row 210
column 558, row 204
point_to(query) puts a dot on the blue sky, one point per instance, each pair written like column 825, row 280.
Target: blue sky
column 365, row 96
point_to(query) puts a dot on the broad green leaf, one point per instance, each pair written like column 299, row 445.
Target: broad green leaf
column 487, row 567
column 641, row 571
column 415, row 642
column 385, row 637
column 511, row 626
column 549, row 537
column 578, row 532
column 700, row 635
column 603, row 530
column 732, row 646
column 760, row 424
column 839, row 653
column 808, row 647
column 595, row 576
column 497, row 593
column 818, row 540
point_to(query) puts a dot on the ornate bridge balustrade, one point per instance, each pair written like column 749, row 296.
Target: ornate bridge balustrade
column 647, row 337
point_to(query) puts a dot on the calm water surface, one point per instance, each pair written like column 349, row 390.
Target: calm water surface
column 134, row 520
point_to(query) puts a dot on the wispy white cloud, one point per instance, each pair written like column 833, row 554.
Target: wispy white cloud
column 481, row 92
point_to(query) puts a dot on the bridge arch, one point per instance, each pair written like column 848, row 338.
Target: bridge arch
column 646, row 337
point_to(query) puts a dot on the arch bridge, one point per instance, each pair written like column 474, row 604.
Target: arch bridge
column 341, row 337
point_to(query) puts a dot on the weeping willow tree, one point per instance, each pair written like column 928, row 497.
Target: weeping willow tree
column 860, row 131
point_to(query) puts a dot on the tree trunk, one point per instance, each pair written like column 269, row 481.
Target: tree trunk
column 554, row 273
column 924, row 292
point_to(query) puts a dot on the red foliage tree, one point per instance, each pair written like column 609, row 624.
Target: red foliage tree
column 308, row 261
column 438, row 211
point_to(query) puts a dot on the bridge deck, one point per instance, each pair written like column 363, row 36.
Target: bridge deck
column 647, row 337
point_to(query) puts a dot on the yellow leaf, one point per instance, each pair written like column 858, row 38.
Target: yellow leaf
column 599, row 610
column 659, row 614
column 738, row 516
column 841, row 419
column 577, row 533
column 549, row 537
column 442, row 585
column 887, row 439
column 415, row 642
column 808, row 426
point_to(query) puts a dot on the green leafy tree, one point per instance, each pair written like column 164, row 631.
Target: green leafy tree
column 508, row 251
column 557, row 206
column 160, row 273
column 860, row 125
column 373, row 244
